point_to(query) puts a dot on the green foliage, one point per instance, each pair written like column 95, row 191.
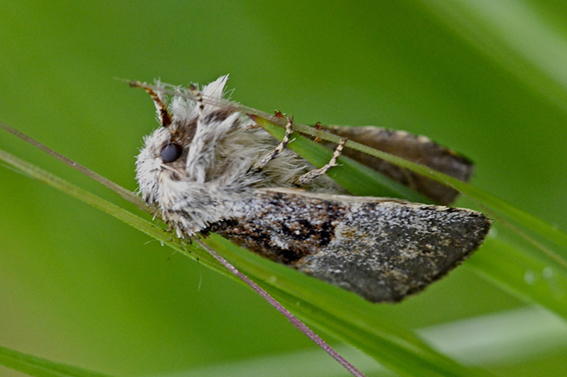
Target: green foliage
column 484, row 78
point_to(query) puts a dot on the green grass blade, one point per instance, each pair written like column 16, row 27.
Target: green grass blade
column 521, row 273
column 39, row 367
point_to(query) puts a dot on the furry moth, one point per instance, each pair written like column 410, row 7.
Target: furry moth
column 210, row 168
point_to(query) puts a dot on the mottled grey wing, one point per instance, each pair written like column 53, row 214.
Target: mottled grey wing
column 415, row 148
column 381, row 249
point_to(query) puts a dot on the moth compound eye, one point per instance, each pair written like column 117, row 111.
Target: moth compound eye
column 171, row 152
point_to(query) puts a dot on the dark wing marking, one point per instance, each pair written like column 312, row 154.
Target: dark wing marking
column 415, row 148
column 381, row 249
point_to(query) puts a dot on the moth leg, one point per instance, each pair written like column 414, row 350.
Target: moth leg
column 278, row 149
column 316, row 173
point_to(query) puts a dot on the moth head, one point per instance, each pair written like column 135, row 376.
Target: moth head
column 163, row 158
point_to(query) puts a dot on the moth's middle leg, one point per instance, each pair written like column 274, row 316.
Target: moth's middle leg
column 316, row 173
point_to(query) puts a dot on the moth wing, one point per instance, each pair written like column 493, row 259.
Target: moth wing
column 414, row 148
column 381, row 249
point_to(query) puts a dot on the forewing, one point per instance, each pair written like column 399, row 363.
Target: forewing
column 381, row 249
column 415, row 148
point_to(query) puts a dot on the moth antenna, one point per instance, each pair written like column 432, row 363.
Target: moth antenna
column 163, row 113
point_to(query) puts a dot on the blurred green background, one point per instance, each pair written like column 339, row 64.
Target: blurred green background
column 486, row 78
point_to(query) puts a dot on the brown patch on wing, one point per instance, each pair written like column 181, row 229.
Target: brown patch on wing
column 280, row 230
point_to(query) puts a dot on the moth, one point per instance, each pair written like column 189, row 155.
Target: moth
column 211, row 168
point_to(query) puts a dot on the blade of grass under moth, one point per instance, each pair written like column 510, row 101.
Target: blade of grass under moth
column 544, row 246
column 391, row 345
